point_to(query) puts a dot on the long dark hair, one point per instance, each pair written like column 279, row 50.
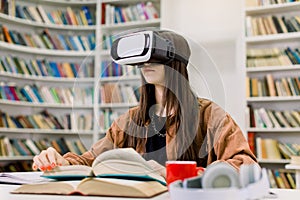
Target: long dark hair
column 179, row 101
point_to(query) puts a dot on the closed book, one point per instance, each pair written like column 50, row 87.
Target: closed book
column 88, row 15
column 7, row 36
column 271, row 85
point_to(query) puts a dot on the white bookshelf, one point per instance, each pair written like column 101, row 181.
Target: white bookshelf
column 279, row 103
column 96, row 56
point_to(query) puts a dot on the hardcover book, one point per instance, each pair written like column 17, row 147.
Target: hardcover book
column 118, row 172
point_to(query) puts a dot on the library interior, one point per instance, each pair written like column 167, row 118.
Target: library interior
column 69, row 101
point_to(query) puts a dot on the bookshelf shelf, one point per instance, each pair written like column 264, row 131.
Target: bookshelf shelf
column 46, row 131
column 37, row 51
column 15, row 158
column 64, row 2
column 282, row 37
column 121, row 78
column 20, row 21
column 274, row 161
column 46, row 79
column 273, row 99
column 273, row 68
column 44, row 105
column 275, row 8
column 274, row 130
column 117, row 105
column 130, row 25
column 122, row 2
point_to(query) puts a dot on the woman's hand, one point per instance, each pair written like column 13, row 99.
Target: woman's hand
column 48, row 159
column 157, row 167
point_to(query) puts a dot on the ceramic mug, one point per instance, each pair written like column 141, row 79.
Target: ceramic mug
column 180, row 170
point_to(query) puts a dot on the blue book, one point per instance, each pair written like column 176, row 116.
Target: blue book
column 81, row 42
column 13, row 37
column 40, row 65
column 54, row 69
column 71, row 39
column 17, row 145
column 17, row 123
column 50, row 18
column 74, row 70
column 19, row 12
column 88, row 15
column 36, row 93
column 62, row 40
column 26, row 95
column 91, row 39
column 8, row 93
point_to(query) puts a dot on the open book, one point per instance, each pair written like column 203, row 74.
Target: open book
column 122, row 163
column 96, row 187
column 117, row 172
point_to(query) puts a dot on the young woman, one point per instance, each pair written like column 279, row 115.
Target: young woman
column 170, row 123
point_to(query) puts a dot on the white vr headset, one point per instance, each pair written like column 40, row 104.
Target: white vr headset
column 144, row 46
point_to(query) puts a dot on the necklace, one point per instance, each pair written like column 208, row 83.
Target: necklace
column 154, row 127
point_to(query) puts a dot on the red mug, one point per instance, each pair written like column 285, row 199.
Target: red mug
column 179, row 170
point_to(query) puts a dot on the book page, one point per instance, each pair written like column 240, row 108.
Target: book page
column 22, row 178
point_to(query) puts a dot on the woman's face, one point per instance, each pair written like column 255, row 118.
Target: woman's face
column 154, row 73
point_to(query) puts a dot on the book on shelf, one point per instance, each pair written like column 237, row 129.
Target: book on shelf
column 113, row 14
column 122, row 170
column 271, row 24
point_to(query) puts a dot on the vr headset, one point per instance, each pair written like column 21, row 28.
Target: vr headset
column 142, row 47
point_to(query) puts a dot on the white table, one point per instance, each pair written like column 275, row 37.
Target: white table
column 282, row 194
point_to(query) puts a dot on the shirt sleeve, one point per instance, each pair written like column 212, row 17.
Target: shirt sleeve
column 230, row 145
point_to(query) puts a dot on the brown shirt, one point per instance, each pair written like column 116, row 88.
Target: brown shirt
column 218, row 139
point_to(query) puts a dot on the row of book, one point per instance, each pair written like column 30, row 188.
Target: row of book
column 67, row 16
column 272, row 57
column 106, row 118
column 107, row 40
column 267, row 118
column 271, row 25
column 250, row 3
column 36, row 67
column 268, row 86
column 115, row 93
column 109, row 69
column 45, row 94
column 47, row 40
column 281, row 178
column 46, row 120
column 269, row 148
column 29, row 147
column 19, row 166
column 112, row 14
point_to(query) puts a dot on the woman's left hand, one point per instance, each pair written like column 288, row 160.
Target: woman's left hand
column 157, row 167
